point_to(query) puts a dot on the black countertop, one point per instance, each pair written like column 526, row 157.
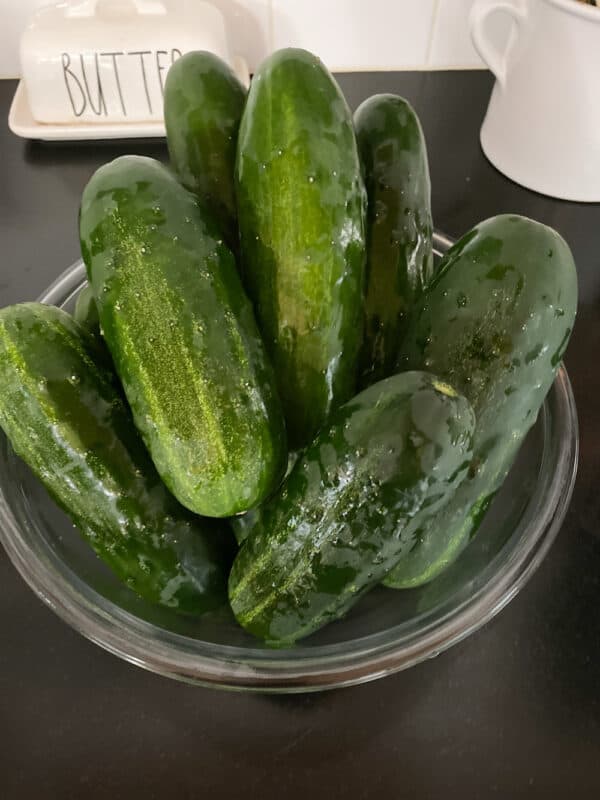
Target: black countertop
column 513, row 711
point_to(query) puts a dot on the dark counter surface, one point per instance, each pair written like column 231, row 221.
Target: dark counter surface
column 513, row 711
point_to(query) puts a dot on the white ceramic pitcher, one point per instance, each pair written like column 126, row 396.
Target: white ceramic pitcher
column 542, row 126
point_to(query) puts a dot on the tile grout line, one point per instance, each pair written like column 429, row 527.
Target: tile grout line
column 434, row 16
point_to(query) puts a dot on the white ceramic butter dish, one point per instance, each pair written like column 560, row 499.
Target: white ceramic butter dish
column 96, row 68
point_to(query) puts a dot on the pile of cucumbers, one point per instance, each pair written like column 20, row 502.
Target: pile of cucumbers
column 267, row 349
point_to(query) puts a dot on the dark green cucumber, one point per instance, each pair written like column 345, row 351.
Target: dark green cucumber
column 494, row 323
column 183, row 338
column 62, row 411
column 387, row 460
column 86, row 311
column 301, row 208
column 399, row 227
column 243, row 524
column 203, row 106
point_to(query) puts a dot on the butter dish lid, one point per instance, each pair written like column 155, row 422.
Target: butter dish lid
column 104, row 62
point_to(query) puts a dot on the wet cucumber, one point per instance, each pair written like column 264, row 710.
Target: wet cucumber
column 243, row 524
column 301, row 209
column 203, row 106
column 399, row 226
column 183, row 338
column 387, row 460
column 86, row 311
column 64, row 416
column 494, row 323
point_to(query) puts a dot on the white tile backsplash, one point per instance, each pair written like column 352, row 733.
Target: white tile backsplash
column 451, row 44
column 13, row 18
column 249, row 28
column 346, row 34
column 356, row 34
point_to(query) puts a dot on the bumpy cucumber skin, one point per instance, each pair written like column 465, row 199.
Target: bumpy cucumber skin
column 301, row 211
column 399, row 226
column 86, row 311
column 494, row 323
column 183, row 338
column 387, row 460
column 65, row 417
column 203, row 106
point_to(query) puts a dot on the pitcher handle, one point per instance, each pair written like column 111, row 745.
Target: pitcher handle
column 481, row 10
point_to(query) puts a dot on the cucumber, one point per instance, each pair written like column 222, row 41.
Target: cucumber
column 203, row 105
column 243, row 524
column 387, row 460
column 183, row 338
column 301, row 210
column 399, row 226
column 64, row 416
column 494, row 323
column 86, row 311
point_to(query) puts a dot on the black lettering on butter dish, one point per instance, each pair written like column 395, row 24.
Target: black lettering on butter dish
column 101, row 102
column 113, row 54
column 141, row 54
column 160, row 68
column 71, row 80
column 81, row 86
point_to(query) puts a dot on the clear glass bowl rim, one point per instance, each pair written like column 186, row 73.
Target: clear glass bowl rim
column 299, row 670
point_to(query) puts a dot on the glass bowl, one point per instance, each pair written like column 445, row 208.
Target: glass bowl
column 387, row 631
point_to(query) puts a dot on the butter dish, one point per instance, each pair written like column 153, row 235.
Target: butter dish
column 96, row 68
